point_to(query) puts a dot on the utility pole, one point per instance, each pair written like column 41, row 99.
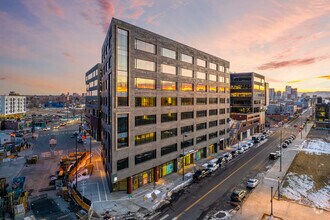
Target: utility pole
column 90, row 148
column 271, row 202
column 301, row 130
column 183, row 156
column 76, row 164
column 281, row 140
column 278, row 187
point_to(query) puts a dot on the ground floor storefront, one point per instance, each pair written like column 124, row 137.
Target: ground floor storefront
column 153, row 175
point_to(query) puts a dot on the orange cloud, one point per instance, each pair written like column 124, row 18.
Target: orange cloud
column 288, row 63
column 54, row 8
column 324, row 77
column 294, row 81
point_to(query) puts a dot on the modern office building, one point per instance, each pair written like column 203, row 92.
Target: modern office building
column 248, row 102
column 271, row 93
column 164, row 104
column 93, row 79
column 322, row 114
column 12, row 106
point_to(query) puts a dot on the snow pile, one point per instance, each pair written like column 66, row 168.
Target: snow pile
column 301, row 188
column 224, row 215
column 317, row 146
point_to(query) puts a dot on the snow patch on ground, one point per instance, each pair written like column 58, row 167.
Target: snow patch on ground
column 226, row 215
column 301, row 189
column 317, row 146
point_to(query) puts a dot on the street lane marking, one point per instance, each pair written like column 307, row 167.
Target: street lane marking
column 98, row 190
column 164, row 217
column 201, row 198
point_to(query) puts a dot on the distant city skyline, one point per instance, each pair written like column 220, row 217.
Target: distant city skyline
column 47, row 46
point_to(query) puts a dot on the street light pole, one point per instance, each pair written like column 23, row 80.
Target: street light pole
column 90, row 148
column 278, row 187
column 183, row 156
column 76, row 164
column 271, row 202
column 301, row 125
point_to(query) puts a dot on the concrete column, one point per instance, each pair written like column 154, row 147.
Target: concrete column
column 156, row 173
column 129, row 185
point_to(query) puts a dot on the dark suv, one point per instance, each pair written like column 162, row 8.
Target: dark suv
column 221, row 161
column 201, row 174
column 237, row 196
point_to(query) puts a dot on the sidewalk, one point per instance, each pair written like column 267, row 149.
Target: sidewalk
column 258, row 202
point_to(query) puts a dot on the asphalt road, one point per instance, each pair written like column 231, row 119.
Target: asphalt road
column 199, row 199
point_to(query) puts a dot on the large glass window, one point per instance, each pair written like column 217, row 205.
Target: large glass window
column 144, row 46
column 122, row 164
column 212, row 88
column 122, row 68
column 187, row 101
column 168, row 69
column 213, row 66
column 222, row 111
column 201, row 101
column 201, row 88
column 221, row 79
column 186, row 58
column 169, row 133
column 169, row 101
column 145, row 120
column 201, row 62
column 140, row 158
column 169, row 117
column 201, row 126
column 200, row 75
column 222, row 121
column 186, row 87
column 213, row 123
column 145, row 138
column 187, row 143
column 241, row 94
column 186, row 72
column 202, row 113
column 212, row 77
column 169, row 149
column 213, row 112
column 122, row 130
column 145, row 65
column 213, row 135
column 201, row 139
column 187, row 115
column 168, row 85
column 145, row 101
column 221, row 68
column 186, row 129
column 141, row 83
column 168, row 53
column 213, row 100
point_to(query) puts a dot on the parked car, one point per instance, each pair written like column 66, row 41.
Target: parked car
column 201, row 174
column 290, row 140
column 234, row 153
column 284, row 145
column 240, row 150
column 46, row 129
column 212, row 166
column 252, row 183
column 287, row 142
column 237, row 196
column 221, row 161
column 245, row 147
column 228, row 157
column 273, row 156
column 262, row 137
column 257, row 140
column 250, row 144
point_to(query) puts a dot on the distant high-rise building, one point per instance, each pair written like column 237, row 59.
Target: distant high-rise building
column 271, row 93
column 93, row 79
column 294, row 93
column 266, row 95
column 278, row 94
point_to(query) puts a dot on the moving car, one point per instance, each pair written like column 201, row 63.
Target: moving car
column 237, row 196
column 252, row 183
column 212, row 166
column 201, row 174
column 273, row 156
column 46, row 129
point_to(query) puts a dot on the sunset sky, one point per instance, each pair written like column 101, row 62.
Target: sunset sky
column 46, row 46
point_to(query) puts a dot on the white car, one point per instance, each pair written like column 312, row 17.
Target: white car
column 46, row 129
column 212, row 166
column 250, row 144
column 240, row 150
column 252, row 183
column 245, row 147
column 228, row 157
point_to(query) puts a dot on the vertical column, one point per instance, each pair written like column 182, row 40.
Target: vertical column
column 129, row 185
column 156, row 173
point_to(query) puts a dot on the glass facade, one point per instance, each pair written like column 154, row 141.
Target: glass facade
column 145, row 101
column 186, row 72
column 186, row 58
column 167, row 168
column 168, row 85
column 168, row 69
column 145, row 138
column 141, row 83
column 144, row 46
column 187, row 87
column 122, row 67
column 145, row 65
column 122, row 130
column 168, row 53
column 169, row 101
